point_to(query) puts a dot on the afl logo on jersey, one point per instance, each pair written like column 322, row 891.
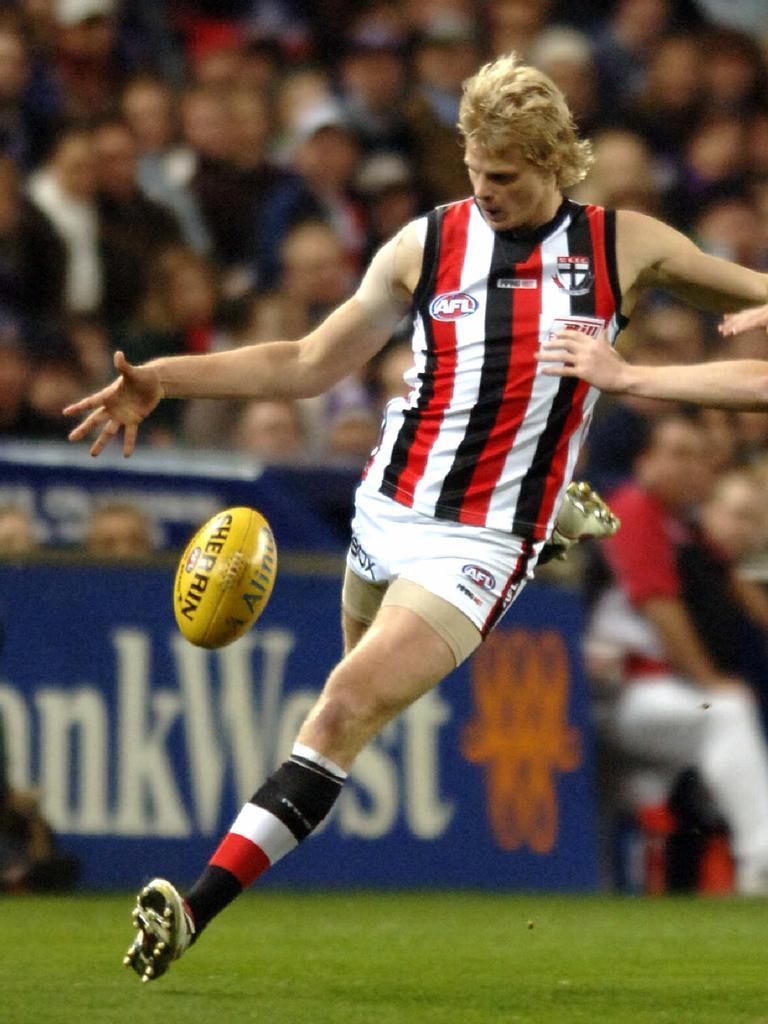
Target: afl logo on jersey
column 452, row 306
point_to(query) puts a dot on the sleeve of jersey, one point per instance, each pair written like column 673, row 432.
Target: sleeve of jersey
column 641, row 554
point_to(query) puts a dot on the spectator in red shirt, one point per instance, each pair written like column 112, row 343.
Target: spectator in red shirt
column 680, row 705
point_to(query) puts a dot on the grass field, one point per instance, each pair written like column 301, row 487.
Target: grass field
column 361, row 958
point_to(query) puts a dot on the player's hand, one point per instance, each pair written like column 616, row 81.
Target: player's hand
column 123, row 404
column 575, row 354
column 746, row 320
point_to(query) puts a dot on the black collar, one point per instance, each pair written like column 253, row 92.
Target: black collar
column 533, row 235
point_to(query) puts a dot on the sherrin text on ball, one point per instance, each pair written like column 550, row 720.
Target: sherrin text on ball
column 225, row 577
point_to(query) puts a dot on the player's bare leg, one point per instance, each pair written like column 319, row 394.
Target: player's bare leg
column 390, row 664
column 399, row 658
column 387, row 665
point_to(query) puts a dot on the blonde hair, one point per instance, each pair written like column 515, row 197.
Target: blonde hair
column 512, row 105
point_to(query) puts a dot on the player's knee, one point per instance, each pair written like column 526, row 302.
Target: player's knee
column 338, row 725
column 350, row 706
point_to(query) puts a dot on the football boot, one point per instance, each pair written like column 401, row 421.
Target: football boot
column 164, row 930
column 582, row 514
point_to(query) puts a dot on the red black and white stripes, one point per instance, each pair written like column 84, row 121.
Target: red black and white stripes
column 511, row 329
column 485, row 438
column 422, row 422
column 291, row 803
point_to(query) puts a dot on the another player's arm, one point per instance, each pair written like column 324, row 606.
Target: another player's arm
column 744, row 320
column 345, row 341
column 726, row 384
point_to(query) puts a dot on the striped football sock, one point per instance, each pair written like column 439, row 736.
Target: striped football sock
column 291, row 803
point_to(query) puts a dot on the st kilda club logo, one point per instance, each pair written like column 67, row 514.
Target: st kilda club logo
column 574, row 274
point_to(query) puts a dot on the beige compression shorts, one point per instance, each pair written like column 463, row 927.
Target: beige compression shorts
column 361, row 599
column 460, row 579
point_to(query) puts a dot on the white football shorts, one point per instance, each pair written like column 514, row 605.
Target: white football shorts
column 477, row 570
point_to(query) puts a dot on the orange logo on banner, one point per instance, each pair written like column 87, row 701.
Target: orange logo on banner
column 520, row 733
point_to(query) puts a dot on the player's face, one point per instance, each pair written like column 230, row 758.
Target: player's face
column 510, row 191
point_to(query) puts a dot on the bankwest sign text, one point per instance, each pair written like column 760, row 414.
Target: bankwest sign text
column 144, row 747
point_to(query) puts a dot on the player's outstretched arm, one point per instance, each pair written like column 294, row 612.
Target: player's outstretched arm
column 275, row 369
column 254, row 371
column 727, row 384
column 344, row 342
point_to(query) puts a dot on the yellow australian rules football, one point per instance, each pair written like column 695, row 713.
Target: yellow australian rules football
column 225, row 577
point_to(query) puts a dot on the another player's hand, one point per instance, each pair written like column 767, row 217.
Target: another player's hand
column 575, row 354
column 746, row 320
column 123, row 404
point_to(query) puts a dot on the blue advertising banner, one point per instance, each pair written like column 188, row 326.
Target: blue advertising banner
column 59, row 485
column 144, row 747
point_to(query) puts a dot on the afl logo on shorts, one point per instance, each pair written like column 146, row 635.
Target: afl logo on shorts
column 480, row 576
column 452, row 306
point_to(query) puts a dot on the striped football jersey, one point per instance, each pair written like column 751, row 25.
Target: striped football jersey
column 483, row 436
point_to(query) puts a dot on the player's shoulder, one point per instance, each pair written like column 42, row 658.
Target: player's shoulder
column 408, row 252
column 412, row 234
column 634, row 220
column 407, row 245
column 641, row 229
column 645, row 246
